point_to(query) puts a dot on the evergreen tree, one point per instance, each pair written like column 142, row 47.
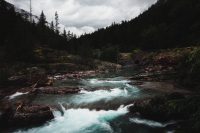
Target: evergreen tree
column 33, row 22
column 52, row 26
column 57, row 23
column 68, row 35
column 64, row 34
column 42, row 20
column 74, row 36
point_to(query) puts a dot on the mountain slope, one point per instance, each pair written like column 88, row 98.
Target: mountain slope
column 23, row 13
column 19, row 37
column 166, row 24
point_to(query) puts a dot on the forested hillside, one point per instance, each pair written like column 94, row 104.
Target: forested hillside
column 19, row 36
column 167, row 24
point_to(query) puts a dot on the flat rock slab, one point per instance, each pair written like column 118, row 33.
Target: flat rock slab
column 57, row 91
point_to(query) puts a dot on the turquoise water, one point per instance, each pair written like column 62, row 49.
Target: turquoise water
column 100, row 107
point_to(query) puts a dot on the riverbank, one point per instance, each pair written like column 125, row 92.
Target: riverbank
column 177, row 103
column 177, row 107
column 173, row 72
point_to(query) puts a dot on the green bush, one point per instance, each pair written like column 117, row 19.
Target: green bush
column 189, row 69
column 135, row 52
column 194, row 62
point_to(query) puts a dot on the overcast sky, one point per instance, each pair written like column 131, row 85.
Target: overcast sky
column 82, row 16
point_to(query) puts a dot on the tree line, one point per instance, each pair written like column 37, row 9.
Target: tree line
column 19, row 36
column 166, row 24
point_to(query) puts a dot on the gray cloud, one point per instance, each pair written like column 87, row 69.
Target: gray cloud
column 82, row 16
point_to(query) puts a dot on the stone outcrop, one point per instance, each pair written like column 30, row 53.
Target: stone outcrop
column 162, row 108
column 24, row 116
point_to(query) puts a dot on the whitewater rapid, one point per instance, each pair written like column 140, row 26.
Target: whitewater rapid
column 105, row 82
column 94, row 108
column 80, row 120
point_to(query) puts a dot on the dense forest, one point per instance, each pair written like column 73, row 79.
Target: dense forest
column 166, row 24
column 19, row 35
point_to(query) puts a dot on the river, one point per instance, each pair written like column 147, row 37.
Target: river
column 100, row 107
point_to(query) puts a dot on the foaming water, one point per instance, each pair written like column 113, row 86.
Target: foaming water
column 17, row 94
column 104, row 95
column 126, row 91
column 81, row 120
column 105, row 82
column 93, row 96
column 150, row 123
column 120, row 91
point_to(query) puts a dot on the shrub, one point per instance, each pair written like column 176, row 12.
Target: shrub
column 189, row 69
column 194, row 62
column 135, row 52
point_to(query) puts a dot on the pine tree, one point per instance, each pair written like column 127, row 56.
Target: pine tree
column 33, row 21
column 74, row 36
column 64, row 34
column 68, row 35
column 52, row 26
column 42, row 20
column 57, row 23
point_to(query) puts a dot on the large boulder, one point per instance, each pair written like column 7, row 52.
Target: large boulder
column 24, row 116
column 166, row 107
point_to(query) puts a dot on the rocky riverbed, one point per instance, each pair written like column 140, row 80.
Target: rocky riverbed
column 141, row 103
